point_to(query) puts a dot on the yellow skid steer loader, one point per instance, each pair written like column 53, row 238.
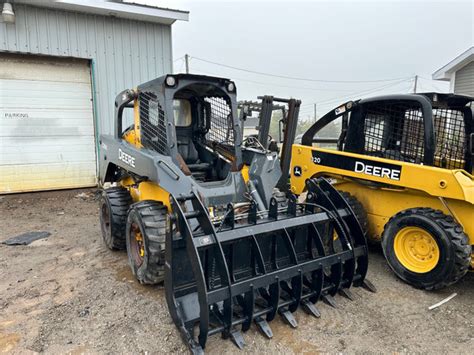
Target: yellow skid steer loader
column 404, row 163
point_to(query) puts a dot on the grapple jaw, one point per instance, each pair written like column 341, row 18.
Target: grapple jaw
column 253, row 266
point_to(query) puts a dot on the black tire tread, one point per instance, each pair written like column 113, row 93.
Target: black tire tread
column 120, row 200
column 358, row 210
column 153, row 216
column 459, row 241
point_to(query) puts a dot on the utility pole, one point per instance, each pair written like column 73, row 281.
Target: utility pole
column 315, row 117
column 416, row 83
column 186, row 61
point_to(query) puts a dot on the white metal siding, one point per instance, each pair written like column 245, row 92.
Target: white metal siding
column 464, row 83
column 125, row 53
column 46, row 124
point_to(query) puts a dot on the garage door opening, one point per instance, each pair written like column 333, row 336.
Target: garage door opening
column 47, row 137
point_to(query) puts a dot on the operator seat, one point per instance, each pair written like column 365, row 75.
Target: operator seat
column 190, row 155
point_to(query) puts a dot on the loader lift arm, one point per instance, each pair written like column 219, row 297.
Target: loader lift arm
column 290, row 109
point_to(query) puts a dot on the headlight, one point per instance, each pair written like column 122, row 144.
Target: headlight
column 170, row 80
column 231, row 87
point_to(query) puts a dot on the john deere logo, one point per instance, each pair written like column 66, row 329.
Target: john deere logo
column 374, row 170
column 126, row 158
column 297, row 171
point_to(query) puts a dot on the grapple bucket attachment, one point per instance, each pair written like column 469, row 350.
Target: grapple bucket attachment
column 221, row 277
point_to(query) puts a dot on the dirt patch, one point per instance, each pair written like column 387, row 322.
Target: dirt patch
column 69, row 294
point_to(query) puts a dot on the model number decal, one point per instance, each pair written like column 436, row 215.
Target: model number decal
column 316, row 160
column 358, row 165
column 126, row 158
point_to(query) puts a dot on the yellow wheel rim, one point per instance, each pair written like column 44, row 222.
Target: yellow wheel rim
column 416, row 249
column 139, row 239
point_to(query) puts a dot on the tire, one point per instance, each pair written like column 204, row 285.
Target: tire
column 454, row 250
column 358, row 210
column 147, row 258
column 114, row 204
column 333, row 242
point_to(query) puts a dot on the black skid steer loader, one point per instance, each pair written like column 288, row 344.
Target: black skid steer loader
column 197, row 208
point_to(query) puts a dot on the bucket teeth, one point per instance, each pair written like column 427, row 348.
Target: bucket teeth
column 346, row 293
column 369, row 286
column 263, row 326
column 310, row 308
column 330, row 300
column 288, row 317
column 237, row 338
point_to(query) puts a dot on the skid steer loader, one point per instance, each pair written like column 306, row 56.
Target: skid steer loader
column 196, row 207
column 404, row 163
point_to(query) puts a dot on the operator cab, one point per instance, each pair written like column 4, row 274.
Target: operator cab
column 204, row 132
column 188, row 118
column 432, row 129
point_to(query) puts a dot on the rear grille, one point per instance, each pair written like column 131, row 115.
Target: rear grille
column 221, row 131
column 394, row 131
column 451, row 142
column 152, row 121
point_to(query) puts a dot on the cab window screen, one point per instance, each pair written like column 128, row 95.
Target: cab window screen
column 182, row 113
column 394, row 130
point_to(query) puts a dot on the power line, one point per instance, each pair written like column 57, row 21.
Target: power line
column 324, row 102
column 359, row 93
column 432, row 84
column 328, row 103
column 272, row 84
column 363, row 92
column 425, row 78
column 295, row 78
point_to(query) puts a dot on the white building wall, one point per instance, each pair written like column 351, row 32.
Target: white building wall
column 464, row 80
column 124, row 53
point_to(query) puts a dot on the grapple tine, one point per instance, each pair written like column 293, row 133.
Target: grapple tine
column 335, row 278
column 274, row 291
column 345, row 292
column 356, row 235
column 248, row 303
column 330, row 300
column 288, row 317
column 316, row 285
column 342, row 273
column 263, row 326
column 369, row 286
column 237, row 338
column 310, row 308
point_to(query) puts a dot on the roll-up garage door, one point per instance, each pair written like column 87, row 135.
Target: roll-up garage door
column 46, row 124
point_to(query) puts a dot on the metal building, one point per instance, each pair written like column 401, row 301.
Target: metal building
column 459, row 72
column 61, row 65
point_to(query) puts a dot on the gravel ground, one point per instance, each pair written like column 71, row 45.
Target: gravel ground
column 69, row 294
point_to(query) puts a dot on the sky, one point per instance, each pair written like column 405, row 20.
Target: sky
column 338, row 50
